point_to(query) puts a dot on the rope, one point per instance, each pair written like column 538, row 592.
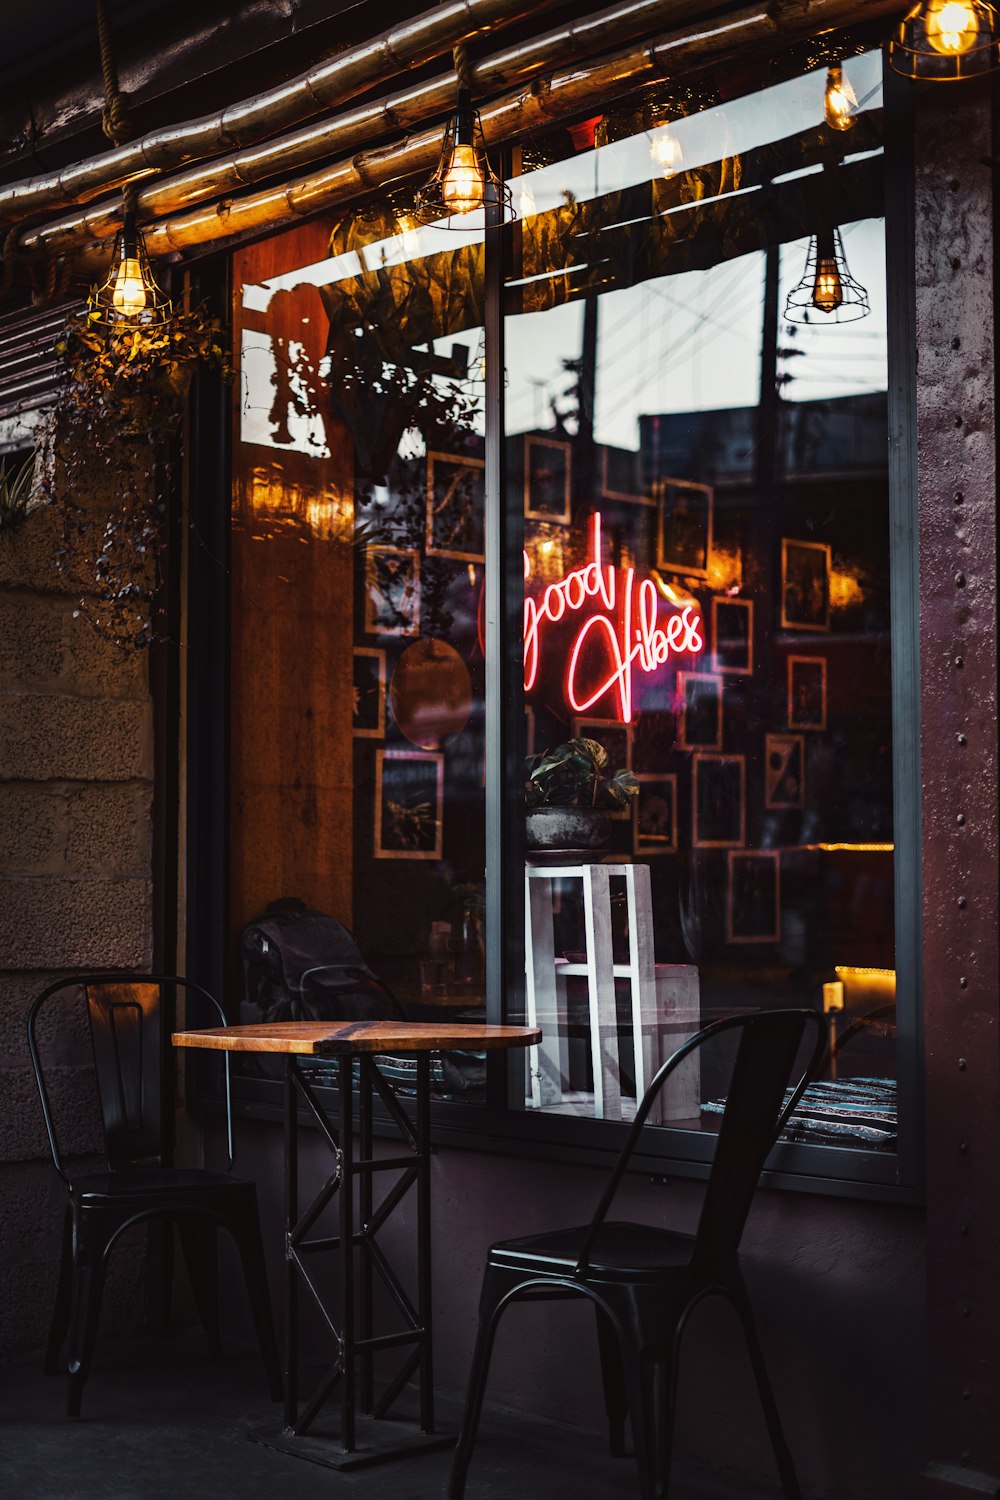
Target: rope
column 114, row 117
column 463, row 68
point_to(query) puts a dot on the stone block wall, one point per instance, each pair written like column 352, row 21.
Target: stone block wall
column 76, row 785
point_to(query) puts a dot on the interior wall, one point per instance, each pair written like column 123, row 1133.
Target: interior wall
column 76, row 769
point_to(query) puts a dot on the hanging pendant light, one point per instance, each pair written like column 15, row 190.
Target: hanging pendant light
column 130, row 297
column 827, row 292
column 946, row 39
column 463, row 180
column 665, row 150
column 841, row 102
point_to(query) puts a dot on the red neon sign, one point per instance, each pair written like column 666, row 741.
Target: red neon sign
column 632, row 642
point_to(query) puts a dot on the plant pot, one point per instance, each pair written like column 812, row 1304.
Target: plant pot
column 570, row 828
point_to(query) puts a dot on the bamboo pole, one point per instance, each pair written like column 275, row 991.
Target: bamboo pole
column 409, row 44
column 534, row 106
column 363, row 126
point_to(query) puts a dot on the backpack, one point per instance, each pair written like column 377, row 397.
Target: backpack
column 301, row 965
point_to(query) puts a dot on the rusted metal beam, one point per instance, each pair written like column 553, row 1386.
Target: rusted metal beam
column 408, row 44
column 534, row 106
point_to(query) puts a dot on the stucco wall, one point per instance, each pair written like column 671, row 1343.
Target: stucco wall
column 76, row 767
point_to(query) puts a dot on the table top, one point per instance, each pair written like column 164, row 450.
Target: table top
column 337, row 1038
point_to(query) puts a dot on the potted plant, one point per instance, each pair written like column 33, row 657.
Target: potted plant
column 569, row 797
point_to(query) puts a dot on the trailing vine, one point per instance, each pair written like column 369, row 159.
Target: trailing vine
column 117, row 427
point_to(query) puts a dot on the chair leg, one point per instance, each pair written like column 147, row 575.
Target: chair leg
column 199, row 1246
column 649, row 1351
column 613, row 1378
column 88, row 1290
column 245, row 1229
column 783, row 1457
column 489, row 1316
column 59, row 1326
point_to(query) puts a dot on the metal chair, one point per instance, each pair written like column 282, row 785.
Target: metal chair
column 644, row 1281
column 139, row 1185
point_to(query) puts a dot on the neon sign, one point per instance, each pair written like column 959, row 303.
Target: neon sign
column 612, row 644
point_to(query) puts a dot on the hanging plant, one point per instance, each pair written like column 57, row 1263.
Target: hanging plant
column 118, row 418
column 16, row 489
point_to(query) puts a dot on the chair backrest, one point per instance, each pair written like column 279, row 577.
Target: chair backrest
column 123, row 1012
column 757, row 1106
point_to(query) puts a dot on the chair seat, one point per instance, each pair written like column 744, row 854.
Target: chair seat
column 151, row 1182
column 622, row 1251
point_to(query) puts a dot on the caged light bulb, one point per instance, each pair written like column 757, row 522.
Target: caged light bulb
column 665, row 150
column 463, row 187
column 129, row 296
column 952, row 27
column 828, row 289
column 841, row 102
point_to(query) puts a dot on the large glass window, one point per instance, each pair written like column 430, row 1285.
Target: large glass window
column 697, row 438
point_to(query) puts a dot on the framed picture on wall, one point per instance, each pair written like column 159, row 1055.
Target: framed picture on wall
column 392, row 591
column 805, row 585
column 616, row 738
column 732, row 636
column 369, row 693
column 547, row 479
column 699, row 711
column 409, row 804
column 784, row 771
column 684, row 527
column 718, row 801
column 654, row 815
column 619, row 477
column 753, row 896
column 456, row 508
column 807, row 692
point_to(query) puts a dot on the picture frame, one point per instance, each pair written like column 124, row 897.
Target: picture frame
column 718, row 801
column 547, row 479
column 753, row 896
column 784, row 772
column 455, row 517
column 369, row 693
column 617, row 739
column 805, row 585
column 684, row 526
column 610, row 490
column 409, row 804
column 699, row 717
column 392, row 591
column 654, row 814
column 732, row 636
column 806, row 692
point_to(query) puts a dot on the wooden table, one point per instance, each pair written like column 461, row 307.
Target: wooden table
column 359, row 1043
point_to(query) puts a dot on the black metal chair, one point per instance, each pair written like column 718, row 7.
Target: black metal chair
column 139, row 1185
column 644, row 1281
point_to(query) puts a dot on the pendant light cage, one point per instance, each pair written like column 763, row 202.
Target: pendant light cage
column 130, row 297
column 464, row 183
column 943, row 40
column 827, row 292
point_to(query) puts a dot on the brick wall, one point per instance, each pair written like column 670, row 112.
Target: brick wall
column 76, row 768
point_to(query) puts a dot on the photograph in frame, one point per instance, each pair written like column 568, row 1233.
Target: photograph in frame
column 654, row 815
column 409, row 792
column 456, row 508
column 805, row 585
column 618, row 478
column 732, row 636
column 547, row 479
column 753, row 896
column 369, row 693
column 784, row 772
column 684, row 527
column 392, row 591
column 807, row 692
column 718, row 801
column 699, row 711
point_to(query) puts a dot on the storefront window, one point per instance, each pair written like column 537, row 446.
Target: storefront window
column 703, row 476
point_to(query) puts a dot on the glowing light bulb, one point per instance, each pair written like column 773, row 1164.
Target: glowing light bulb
column 129, row 296
column 952, row 27
column 463, row 187
column 828, row 289
column 665, row 150
column 841, row 101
